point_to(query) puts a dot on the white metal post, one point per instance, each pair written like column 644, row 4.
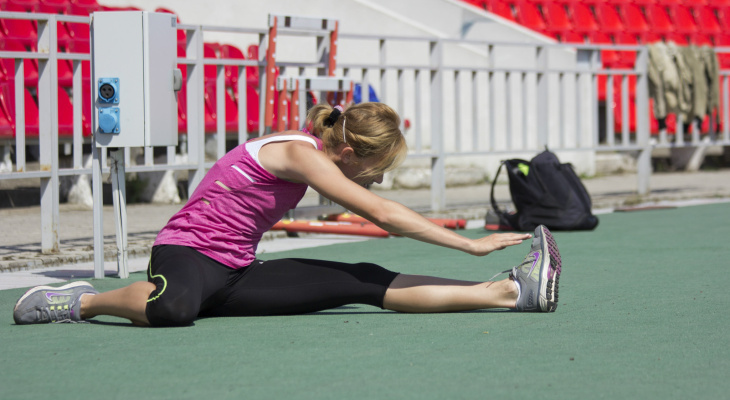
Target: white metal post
column 48, row 133
column 196, row 108
column 643, row 164
column 19, row 114
column 119, row 194
column 438, row 163
column 542, row 96
column 98, row 199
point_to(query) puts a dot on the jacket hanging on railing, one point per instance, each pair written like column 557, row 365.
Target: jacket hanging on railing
column 712, row 72
column 705, row 85
column 664, row 83
column 684, row 96
column 683, row 80
column 697, row 85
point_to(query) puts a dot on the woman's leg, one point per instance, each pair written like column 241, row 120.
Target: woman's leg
column 296, row 286
column 128, row 302
column 532, row 286
column 181, row 283
column 423, row 294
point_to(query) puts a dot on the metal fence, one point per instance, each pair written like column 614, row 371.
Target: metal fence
column 458, row 111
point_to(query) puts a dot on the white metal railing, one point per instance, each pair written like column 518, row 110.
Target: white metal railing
column 471, row 110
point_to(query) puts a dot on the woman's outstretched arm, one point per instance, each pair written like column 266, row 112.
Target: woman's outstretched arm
column 300, row 162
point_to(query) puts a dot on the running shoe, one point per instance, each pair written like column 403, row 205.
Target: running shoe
column 538, row 276
column 47, row 304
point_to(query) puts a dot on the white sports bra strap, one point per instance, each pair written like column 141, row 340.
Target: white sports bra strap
column 254, row 147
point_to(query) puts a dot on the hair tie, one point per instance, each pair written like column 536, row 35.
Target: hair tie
column 333, row 117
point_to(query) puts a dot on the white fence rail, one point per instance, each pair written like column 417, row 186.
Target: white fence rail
column 477, row 109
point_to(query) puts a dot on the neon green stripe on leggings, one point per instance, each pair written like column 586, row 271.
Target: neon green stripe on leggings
column 164, row 281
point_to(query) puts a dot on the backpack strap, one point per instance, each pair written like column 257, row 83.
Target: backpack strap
column 503, row 217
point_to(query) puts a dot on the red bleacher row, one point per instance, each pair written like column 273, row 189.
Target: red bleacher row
column 21, row 35
column 622, row 22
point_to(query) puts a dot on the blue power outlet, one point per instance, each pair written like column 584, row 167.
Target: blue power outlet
column 109, row 90
column 109, row 120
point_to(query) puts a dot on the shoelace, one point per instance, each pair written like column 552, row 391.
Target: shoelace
column 59, row 315
column 511, row 271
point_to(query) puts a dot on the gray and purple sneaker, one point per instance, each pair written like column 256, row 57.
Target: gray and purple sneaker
column 47, row 304
column 538, row 276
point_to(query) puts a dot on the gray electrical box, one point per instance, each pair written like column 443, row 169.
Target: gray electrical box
column 134, row 78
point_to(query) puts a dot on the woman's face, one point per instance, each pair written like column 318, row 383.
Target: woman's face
column 357, row 166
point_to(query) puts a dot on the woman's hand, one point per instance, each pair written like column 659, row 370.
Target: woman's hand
column 496, row 241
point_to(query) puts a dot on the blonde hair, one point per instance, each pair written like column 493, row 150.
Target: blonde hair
column 370, row 129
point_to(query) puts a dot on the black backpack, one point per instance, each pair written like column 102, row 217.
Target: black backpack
column 546, row 192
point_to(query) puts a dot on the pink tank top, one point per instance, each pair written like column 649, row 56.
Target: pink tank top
column 234, row 205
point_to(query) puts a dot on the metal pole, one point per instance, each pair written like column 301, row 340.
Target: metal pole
column 642, row 122
column 97, row 194
column 438, row 162
column 120, row 209
column 48, row 133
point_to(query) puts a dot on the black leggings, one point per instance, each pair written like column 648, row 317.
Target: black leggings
column 191, row 285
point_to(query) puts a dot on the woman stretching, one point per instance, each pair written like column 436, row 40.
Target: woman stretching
column 203, row 261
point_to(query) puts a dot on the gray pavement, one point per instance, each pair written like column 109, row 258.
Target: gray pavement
column 22, row 264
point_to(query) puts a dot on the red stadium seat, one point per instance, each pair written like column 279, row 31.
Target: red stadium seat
column 65, row 114
column 84, row 7
column 678, row 38
column 683, row 20
column 211, row 115
column 528, row 15
column 86, row 107
column 608, row 18
column 700, row 39
column 501, row 8
column 634, row 19
column 723, row 40
column 583, row 19
column 572, row 37
column 22, row 31
column 31, row 114
column 80, row 38
column 477, row 3
column 54, row 6
column 659, row 21
column 7, row 127
column 30, row 66
column 650, row 37
column 210, row 50
column 252, row 73
column 609, row 58
column 252, row 90
column 23, row 5
column 707, row 21
column 723, row 15
column 626, row 58
column 557, row 18
column 231, row 72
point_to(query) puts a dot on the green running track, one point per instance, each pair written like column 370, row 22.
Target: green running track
column 643, row 314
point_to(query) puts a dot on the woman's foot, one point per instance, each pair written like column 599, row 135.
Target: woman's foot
column 538, row 276
column 47, row 304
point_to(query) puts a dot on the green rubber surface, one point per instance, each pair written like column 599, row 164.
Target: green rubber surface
column 643, row 314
